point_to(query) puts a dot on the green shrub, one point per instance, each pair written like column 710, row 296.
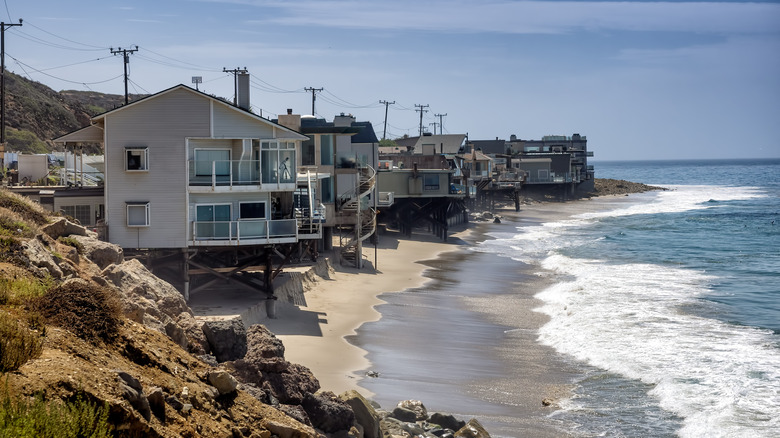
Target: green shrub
column 18, row 289
column 11, row 227
column 17, row 344
column 87, row 310
column 37, row 418
column 70, row 241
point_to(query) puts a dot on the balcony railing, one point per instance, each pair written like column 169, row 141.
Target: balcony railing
column 249, row 231
column 224, row 173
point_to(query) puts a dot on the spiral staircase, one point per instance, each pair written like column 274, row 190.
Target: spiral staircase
column 358, row 217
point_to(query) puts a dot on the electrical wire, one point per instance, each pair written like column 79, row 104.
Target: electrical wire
column 21, row 64
column 27, row 23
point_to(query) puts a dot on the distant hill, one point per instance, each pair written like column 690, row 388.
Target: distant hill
column 36, row 114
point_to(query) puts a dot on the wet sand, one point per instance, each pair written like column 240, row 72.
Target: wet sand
column 439, row 323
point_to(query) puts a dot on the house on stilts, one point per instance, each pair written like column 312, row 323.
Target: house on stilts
column 203, row 189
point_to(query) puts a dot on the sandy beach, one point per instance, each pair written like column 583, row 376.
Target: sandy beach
column 314, row 335
column 512, row 369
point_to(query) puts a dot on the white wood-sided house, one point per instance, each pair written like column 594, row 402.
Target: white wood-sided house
column 184, row 169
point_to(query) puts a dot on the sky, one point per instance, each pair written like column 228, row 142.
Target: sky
column 641, row 80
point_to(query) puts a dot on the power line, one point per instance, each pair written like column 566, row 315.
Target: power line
column 3, row 27
column 386, row 104
column 236, row 71
column 21, row 64
column 313, row 96
column 441, row 126
column 421, row 109
column 126, row 55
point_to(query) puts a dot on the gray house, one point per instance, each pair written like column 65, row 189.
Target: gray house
column 183, row 169
column 190, row 173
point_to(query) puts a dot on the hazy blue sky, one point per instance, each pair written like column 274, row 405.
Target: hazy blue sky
column 642, row 80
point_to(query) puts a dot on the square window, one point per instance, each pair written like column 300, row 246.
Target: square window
column 431, row 182
column 251, row 210
column 137, row 159
column 137, row 214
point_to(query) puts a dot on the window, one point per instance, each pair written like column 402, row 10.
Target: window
column 206, row 158
column 430, row 182
column 327, row 190
column 79, row 212
column 137, row 159
column 308, row 153
column 251, row 210
column 137, row 214
column 278, row 162
column 326, row 150
column 213, row 221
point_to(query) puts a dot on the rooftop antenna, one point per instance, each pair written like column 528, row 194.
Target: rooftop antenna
column 197, row 80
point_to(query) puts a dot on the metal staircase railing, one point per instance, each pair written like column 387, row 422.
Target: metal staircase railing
column 356, row 202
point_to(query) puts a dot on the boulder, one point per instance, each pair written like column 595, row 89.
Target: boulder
column 472, row 429
column 61, row 227
column 39, row 257
column 223, row 381
column 132, row 391
column 446, row 421
column 100, row 253
column 292, row 385
column 327, row 412
column 133, row 278
column 264, row 350
column 156, row 399
column 403, row 414
column 365, row 414
column 226, row 338
column 417, row 407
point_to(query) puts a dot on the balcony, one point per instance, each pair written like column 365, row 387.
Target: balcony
column 239, row 173
column 244, row 232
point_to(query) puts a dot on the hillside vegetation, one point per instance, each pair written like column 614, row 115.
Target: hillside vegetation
column 36, row 114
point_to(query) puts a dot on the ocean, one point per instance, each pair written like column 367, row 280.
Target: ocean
column 664, row 311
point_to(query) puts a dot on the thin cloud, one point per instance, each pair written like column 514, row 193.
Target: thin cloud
column 525, row 17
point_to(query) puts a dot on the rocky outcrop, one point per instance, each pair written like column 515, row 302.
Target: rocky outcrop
column 226, row 338
column 148, row 300
column 327, row 412
column 100, row 253
column 365, row 414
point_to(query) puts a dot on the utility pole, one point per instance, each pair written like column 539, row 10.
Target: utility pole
column 441, row 126
column 3, row 27
column 236, row 71
column 126, row 55
column 421, row 109
column 386, row 104
column 313, row 96
column 434, row 126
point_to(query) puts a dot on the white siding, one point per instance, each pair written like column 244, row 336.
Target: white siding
column 232, row 123
column 162, row 124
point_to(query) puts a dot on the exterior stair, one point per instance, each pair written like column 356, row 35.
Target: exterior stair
column 358, row 206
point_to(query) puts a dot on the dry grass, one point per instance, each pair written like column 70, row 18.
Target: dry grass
column 89, row 311
column 18, row 344
column 28, row 210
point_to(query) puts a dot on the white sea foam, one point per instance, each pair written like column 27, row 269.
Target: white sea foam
column 636, row 320
column 724, row 380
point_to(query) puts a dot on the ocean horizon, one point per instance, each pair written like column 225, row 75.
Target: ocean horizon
column 662, row 311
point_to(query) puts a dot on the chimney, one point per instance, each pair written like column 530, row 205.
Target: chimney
column 242, row 90
column 290, row 120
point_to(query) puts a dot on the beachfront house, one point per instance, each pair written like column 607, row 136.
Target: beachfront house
column 189, row 173
column 555, row 159
column 343, row 157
